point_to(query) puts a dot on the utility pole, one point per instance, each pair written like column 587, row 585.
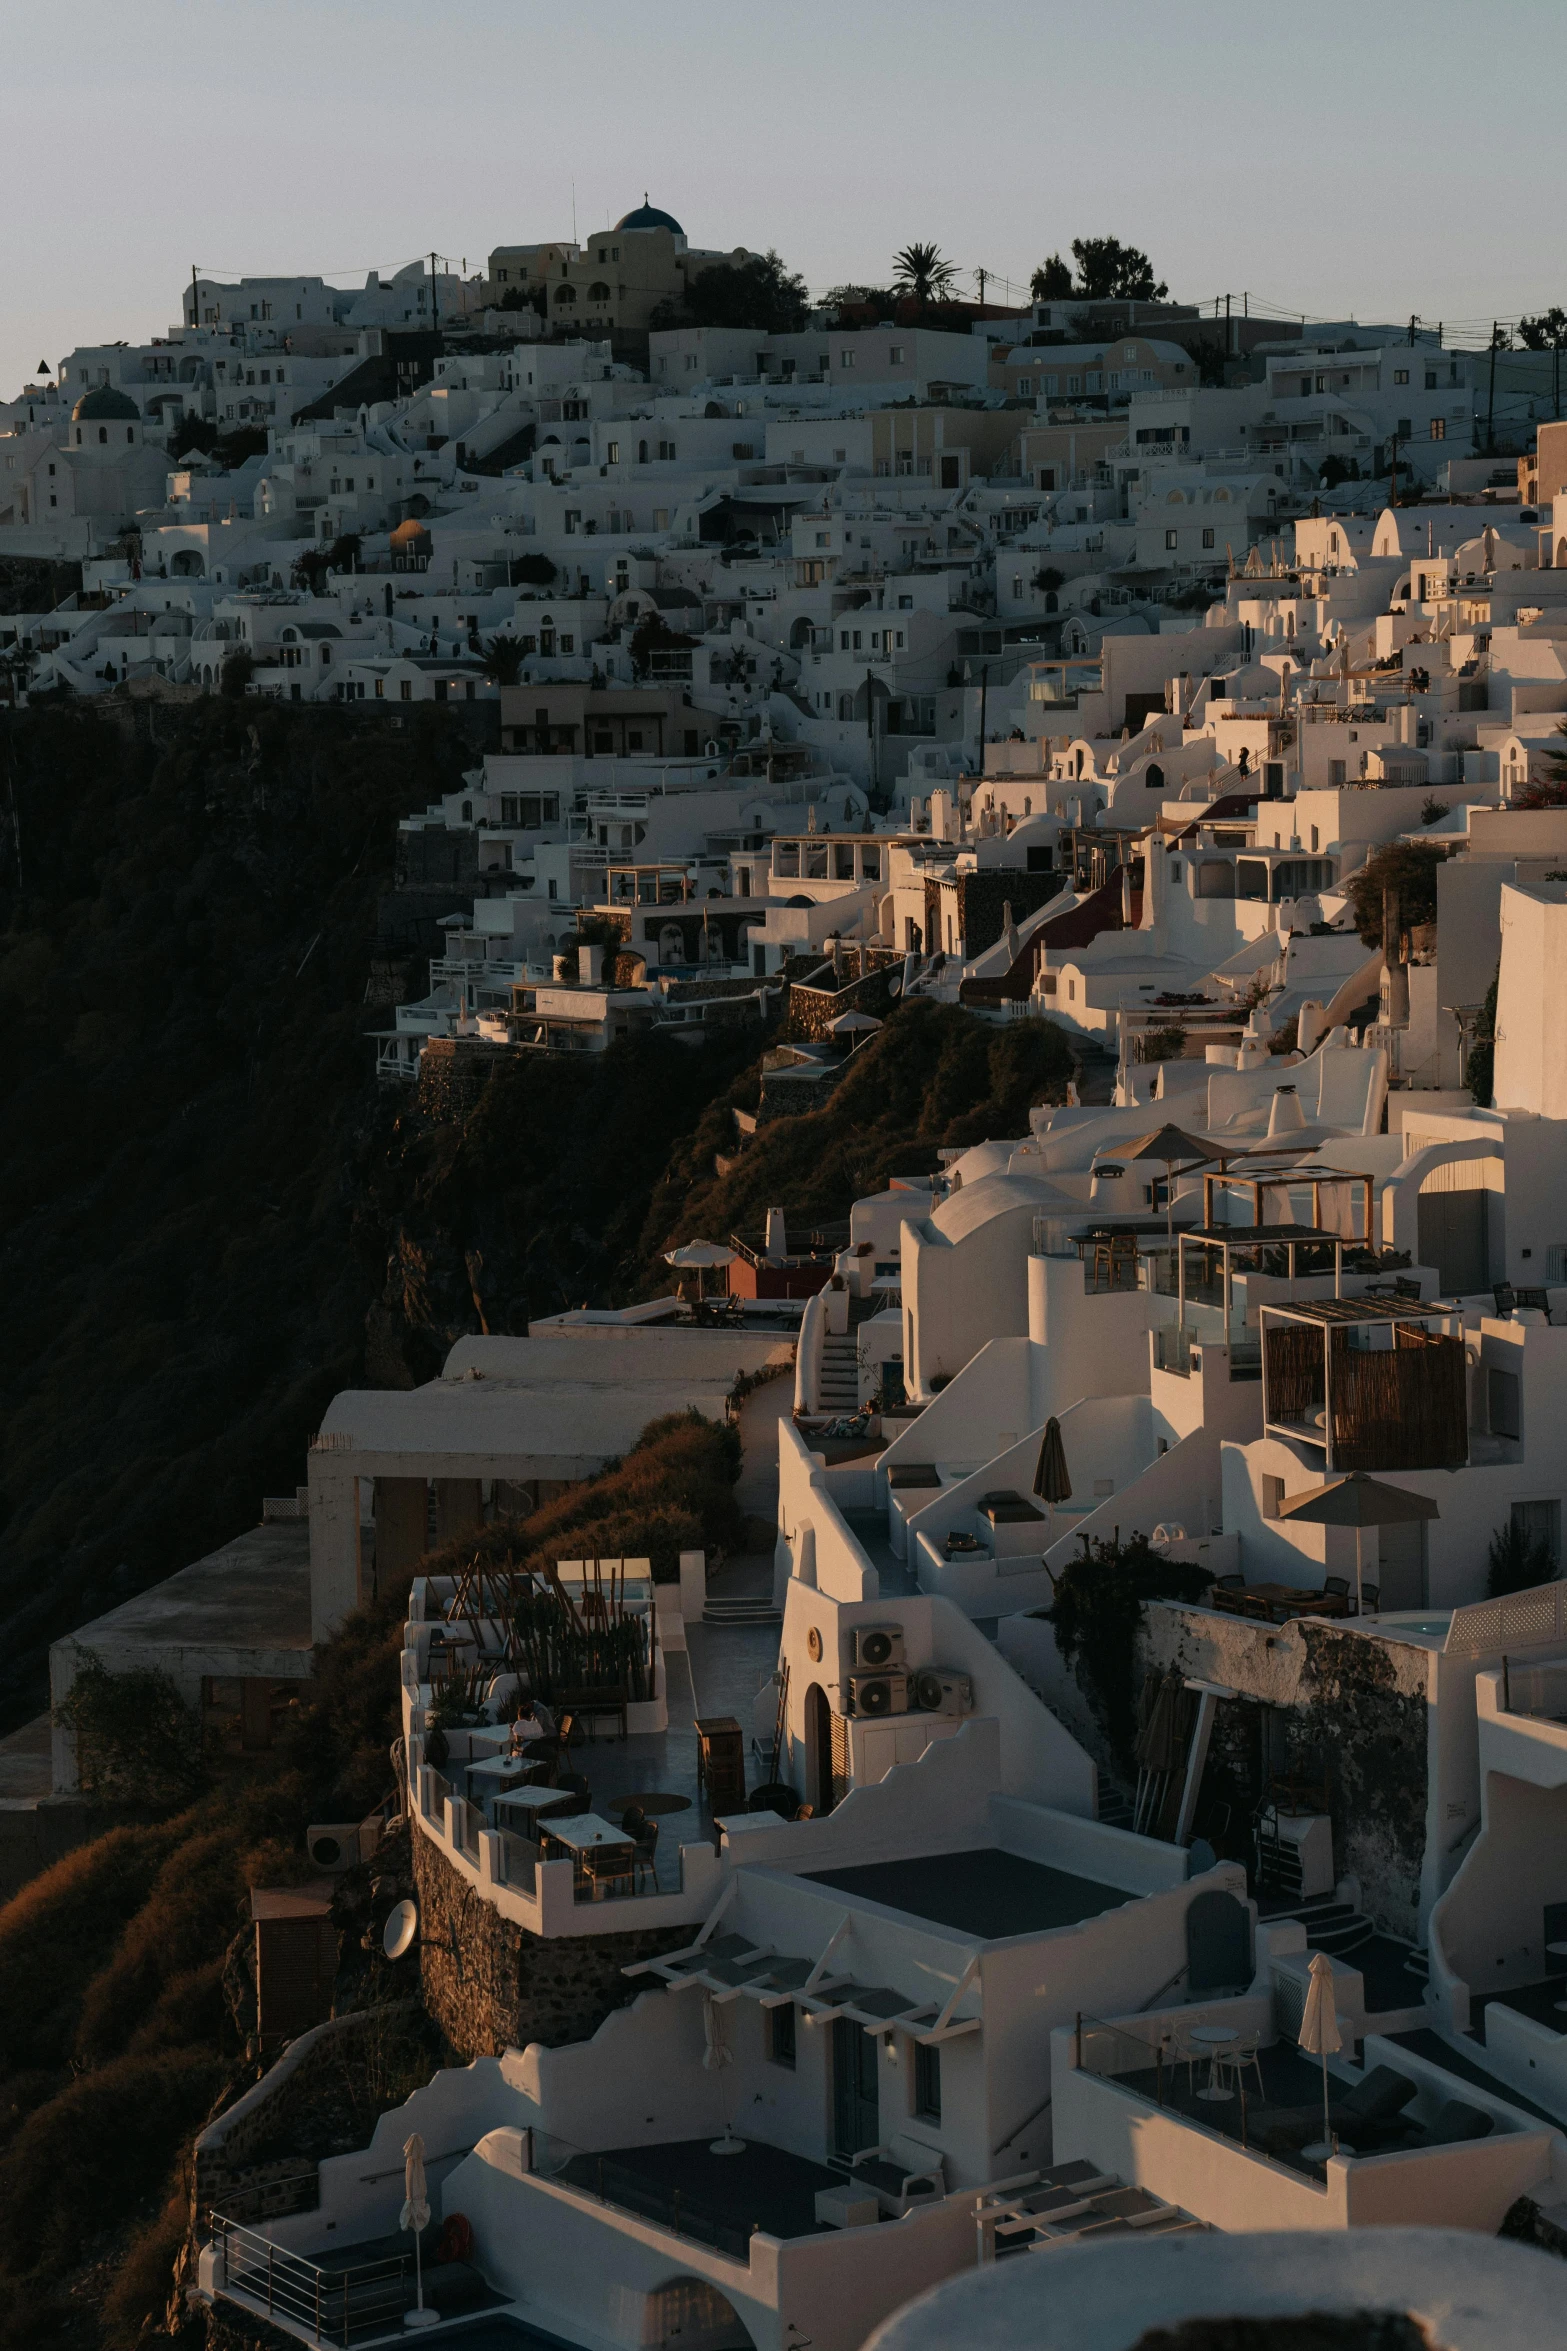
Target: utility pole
column 195, row 298
column 870, row 727
column 984, row 692
column 1490, row 413
column 435, row 294
column 1392, row 494
column 1412, row 324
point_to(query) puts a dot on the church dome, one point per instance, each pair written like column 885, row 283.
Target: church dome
column 104, row 405
column 648, row 216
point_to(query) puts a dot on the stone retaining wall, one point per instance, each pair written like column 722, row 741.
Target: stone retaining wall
column 491, row 1985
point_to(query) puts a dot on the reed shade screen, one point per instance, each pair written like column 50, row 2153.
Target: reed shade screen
column 1399, row 1407
column 1293, row 1367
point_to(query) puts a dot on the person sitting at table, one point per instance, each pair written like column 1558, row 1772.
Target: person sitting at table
column 537, row 1723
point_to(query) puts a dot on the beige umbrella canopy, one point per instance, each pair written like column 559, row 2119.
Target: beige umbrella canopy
column 1319, row 2034
column 1176, row 1151
column 696, row 1257
column 1358, row 1501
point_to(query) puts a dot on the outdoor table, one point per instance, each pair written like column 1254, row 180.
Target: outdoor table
column 1214, row 2037
column 1557, row 1951
column 599, row 1849
column 498, row 1775
column 530, row 1807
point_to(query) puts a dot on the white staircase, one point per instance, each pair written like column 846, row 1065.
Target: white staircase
column 840, row 1390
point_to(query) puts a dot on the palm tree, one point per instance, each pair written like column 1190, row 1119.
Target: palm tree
column 505, row 658
column 922, row 272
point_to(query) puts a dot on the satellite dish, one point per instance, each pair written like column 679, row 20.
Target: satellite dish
column 402, row 1925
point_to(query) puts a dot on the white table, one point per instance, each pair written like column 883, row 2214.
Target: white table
column 1215, row 2038
column 498, row 1775
column 585, row 1836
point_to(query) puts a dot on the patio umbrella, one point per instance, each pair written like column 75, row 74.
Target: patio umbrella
column 1318, row 2035
column 1158, row 1747
column 1359, row 1502
column 698, row 1255
column 1177, row 1152
column 415, row 2215
column 852, row 1024
column 1051, row 1482
column 717, row 2056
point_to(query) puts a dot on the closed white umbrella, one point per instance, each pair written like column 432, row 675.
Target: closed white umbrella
column 717, row 2057
column 1319, row 2035
column 415, row 2215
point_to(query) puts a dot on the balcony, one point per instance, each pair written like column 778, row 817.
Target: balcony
column 1377, row 1387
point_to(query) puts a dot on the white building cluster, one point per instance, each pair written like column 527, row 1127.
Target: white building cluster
column 1031, row 672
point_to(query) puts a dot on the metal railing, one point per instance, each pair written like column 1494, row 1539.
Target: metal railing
column 331, row 2303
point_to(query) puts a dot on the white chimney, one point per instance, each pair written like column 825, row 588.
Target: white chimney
column 590, row 965
column 777, row 1243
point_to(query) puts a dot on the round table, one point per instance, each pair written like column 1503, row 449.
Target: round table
column 1557, row 1951
column 1215, row 2038
column 652, row 1802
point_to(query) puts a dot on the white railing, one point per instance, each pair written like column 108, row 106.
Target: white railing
column 1518, row 1620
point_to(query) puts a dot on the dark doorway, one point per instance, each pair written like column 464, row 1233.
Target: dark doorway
column 856, row 2091
column 1452, row 1233
column 818, row 1750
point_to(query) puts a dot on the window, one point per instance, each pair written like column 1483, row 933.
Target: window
column 1430, row 379
column 612, row 453
column 780, row 2035
column 1170, row 541
column 894, row 354
column 1207, row 538
column 1272, row 1496
column 1336, row 772
column 1025, row 387
column 1403, row 428
column 927, row 2082
column 1438, row 428
column 1539, row 1522
column 846, row 359
column 824, row 538
column 1400, row 375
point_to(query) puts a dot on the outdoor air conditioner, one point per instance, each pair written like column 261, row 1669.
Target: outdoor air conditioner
column 878, row 1693
column 878, row 1645
column 936, row 1692
column 342, row 1844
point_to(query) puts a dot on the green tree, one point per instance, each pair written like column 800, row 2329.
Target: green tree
column 759, row 293
column 1551, row 790
column 1516, row 1561
column 137, row 1742
column 1052, row 281
column 505, row 657
column 238, row 669
column 1107, row 271
column 1545, row 333
column 923, row 274
column 1480, row 1068
column 530, row 571
column 1409, row 867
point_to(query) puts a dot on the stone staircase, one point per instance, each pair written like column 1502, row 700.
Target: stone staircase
column 743, row 1608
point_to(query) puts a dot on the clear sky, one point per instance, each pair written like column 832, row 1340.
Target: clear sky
column 1352, row 158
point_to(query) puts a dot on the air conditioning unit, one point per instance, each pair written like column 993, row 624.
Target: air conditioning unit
column 875, row 1694
column 936, row 1692
column 877, row 1645
column 335, row 1845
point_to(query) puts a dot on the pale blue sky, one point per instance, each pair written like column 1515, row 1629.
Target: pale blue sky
column 1348, row 158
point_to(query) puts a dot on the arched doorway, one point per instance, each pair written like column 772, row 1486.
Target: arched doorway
column 688, row 2314
column 818, row 1750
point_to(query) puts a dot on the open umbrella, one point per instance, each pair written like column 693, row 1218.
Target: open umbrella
column 1177, row 1152
column 415, row 2215
column 852, row 1024
column 697, row 1256
column 1359, row 1502
column 1319, row 2034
